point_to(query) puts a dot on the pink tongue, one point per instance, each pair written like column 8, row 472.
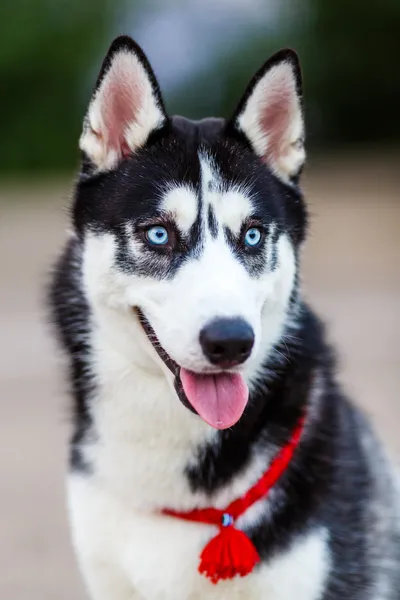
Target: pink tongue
column 219, row 399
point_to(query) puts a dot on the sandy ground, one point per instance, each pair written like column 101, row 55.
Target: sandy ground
column 352, row 276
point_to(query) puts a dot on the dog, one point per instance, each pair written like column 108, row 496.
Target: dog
column 213, row 454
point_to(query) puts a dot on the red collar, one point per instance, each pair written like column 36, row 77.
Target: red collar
column 231, row 552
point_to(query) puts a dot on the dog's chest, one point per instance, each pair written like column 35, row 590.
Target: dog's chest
column 159, row 556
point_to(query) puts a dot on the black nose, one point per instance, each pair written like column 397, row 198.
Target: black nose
column 227, row 342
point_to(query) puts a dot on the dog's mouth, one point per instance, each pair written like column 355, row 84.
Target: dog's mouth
column 219, row 398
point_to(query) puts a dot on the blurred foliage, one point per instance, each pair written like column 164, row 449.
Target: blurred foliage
column 51, row 49
column 47, row 50
column 351, row 69
column 349, row 53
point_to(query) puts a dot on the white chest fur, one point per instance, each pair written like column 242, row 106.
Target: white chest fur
column 126, row 554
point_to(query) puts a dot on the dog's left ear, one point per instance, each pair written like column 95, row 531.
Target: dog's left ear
column 270, row 115
column 126, row 106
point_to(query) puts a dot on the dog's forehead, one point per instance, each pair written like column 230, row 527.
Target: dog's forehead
column 219, row 201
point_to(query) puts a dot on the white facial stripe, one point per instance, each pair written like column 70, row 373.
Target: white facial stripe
column 232, row 209
column 209, row 174
column 210, row 186
column 182, row 203
column 231, row 206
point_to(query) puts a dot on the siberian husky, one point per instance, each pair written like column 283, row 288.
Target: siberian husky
column 193, row 360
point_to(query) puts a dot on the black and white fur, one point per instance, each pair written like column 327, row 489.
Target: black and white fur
column 329, row 529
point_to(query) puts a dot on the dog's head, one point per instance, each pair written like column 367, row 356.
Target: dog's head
column 191, row 229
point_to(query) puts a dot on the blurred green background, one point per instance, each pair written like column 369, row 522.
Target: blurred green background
column 204, row 53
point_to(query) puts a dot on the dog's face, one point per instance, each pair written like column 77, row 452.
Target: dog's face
column 191, row 230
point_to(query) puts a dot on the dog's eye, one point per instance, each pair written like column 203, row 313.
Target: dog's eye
column 252, row 237
column 157, row 235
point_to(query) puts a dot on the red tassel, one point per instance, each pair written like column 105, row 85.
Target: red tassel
column 230, row 553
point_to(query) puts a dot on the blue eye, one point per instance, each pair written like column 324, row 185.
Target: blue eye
column 157, row 235
column 252, row 237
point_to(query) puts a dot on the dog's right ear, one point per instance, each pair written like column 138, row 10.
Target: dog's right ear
column 270, row 115
column 125, row 109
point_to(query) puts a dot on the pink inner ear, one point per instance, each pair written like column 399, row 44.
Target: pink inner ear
column 121, row 99
column 277, row 114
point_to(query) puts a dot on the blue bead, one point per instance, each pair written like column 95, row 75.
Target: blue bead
column 226, row 520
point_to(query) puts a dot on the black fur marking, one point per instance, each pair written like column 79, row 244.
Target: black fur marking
column 273, row 259
column 70, row 314
column 212, row 222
